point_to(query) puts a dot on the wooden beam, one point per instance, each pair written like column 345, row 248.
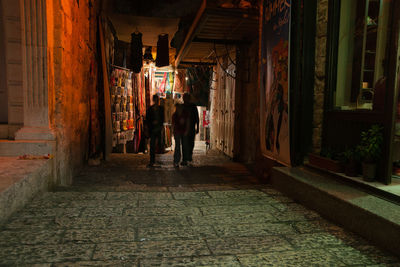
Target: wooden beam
column 107, row 106
column 220, row 41
column 190, row 35
column 198, row 63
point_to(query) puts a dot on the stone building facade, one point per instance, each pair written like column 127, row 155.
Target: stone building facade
column 320, row 60
column 50, row 63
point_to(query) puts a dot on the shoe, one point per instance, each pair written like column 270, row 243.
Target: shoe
column 176, row 165
column 183, row 163
column 150, row 165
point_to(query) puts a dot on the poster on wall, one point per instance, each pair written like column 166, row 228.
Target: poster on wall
column 275, row 50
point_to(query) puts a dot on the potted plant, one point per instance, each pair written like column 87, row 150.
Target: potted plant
column 351, row 158
column 370, row 150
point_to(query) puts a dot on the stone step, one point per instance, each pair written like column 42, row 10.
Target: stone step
column 371, row 216
column 20, row 181
column 3, row 131
column 11, row 148
column 7, row 131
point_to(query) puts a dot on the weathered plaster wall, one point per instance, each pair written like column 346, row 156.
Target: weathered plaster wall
column 72, row 27
column 246, row 106
column 320, row 59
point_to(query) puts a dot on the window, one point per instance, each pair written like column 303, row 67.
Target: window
column 361, row 52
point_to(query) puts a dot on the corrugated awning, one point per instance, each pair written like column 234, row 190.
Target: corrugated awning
column 215, row 30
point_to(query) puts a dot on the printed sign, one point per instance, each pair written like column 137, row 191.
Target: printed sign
column 275, row 51
column 206, row 118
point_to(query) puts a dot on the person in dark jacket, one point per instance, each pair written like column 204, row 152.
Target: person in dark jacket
column 154, row 123
column 180, row 128
column 193, row 127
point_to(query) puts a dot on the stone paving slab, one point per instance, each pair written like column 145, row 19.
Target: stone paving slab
column 320, row 225
column 49, row 212
column 176, row 248
column 361, row 256
column 79, row 222
column 313, row 240
column 154, row 195
column 146, row 221
column 232, row 218
column 116, row 251
column 123, row 196
column 315, row 257
column 94, row 236
column 103, row 211
column 236, row 193
column 29, row 237
column 102, row 221
column 237, row 209
column 150, row 203
column 240, row 200
column 190, row 195
column 18, row 254
column 236, row 245
column 104, row 203
column 221, row 261
column 72, row 196
column 176, row 232
column 260, row 229
column 161, row 211
column 31, row 223
column 291, row 216
column 133, row 263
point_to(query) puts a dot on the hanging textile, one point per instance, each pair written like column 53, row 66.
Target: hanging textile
column 162, row 51
column 199, row 82
column 180, row 82
column 136, row 52
column 122, row 106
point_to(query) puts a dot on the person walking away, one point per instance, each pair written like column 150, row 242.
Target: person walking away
column 154, row 122
column 180, row 128
column 193, row 126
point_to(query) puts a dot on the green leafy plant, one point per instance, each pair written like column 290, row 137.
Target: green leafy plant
column 330, row 153
column 371, row 144
column 350, row 154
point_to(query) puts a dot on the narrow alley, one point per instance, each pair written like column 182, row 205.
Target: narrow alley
column 215, row 213
column 199, row 133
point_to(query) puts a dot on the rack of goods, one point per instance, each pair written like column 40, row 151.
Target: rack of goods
column 122, row 106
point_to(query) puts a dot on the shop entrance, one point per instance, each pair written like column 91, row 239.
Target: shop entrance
column 200, row 58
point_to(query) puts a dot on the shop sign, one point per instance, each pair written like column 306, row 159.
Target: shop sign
column 275, row 51
column 206, row 118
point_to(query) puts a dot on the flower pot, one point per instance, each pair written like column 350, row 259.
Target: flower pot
column 350, row 168
column 369, row 171
column 325, row 163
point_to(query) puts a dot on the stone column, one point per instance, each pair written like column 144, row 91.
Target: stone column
column 34, row 59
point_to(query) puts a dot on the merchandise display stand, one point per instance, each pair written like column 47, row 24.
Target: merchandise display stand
column 122, row 107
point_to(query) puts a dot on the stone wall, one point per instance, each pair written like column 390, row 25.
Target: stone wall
column 11, row 92
column 320, row 59
column 72, row 75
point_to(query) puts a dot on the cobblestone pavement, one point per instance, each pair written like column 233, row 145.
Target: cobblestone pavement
column 214, row 213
